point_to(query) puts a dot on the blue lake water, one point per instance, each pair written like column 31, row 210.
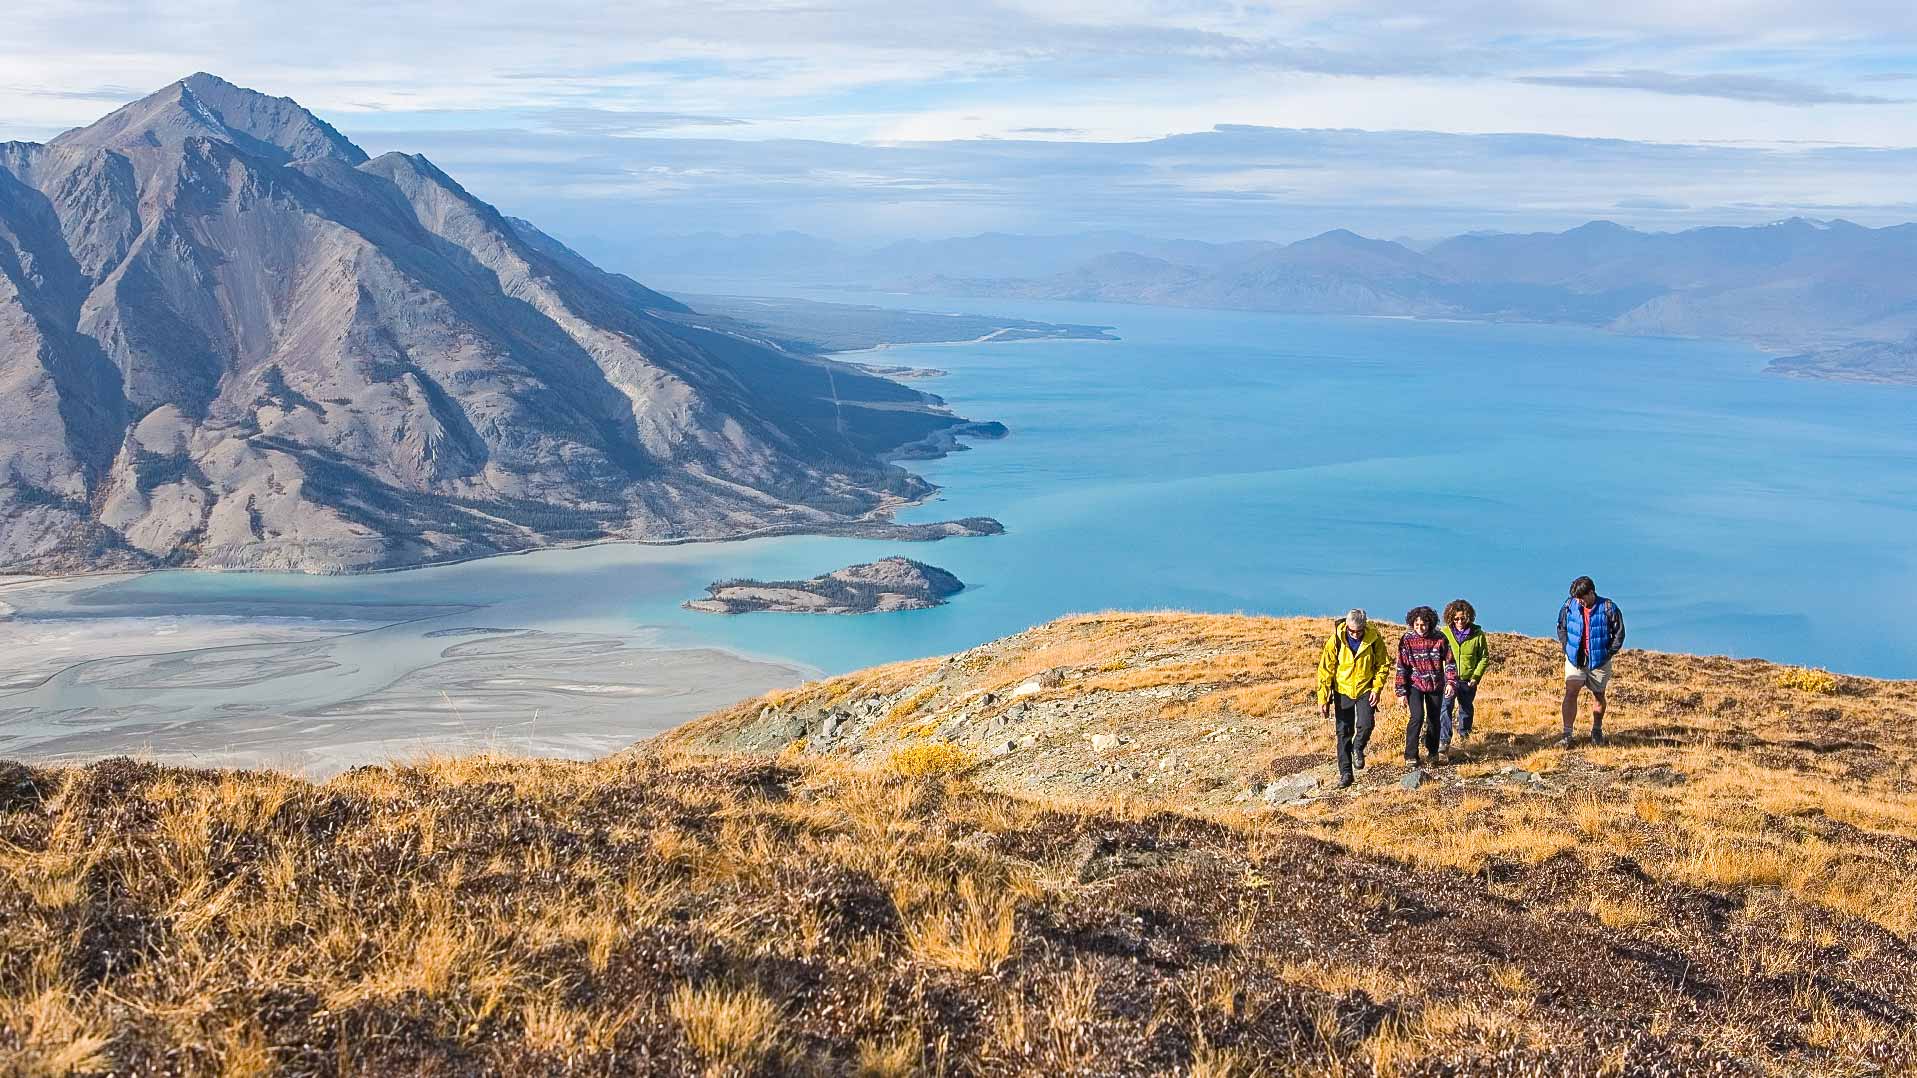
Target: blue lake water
column 1285, row 465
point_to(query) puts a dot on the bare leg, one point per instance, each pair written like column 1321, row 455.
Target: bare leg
column 1571, row 704
column 1597, row 714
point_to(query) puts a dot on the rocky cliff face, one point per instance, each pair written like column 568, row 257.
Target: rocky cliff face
column 228, row 338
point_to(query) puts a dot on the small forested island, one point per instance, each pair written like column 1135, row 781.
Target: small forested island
column 886, row 584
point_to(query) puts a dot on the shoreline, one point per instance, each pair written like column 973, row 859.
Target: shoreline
column 458, row 688
column 981, row 340
column 1770, row 349
column 854, row 529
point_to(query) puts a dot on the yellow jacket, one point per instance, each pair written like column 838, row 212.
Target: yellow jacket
column 1353, row 675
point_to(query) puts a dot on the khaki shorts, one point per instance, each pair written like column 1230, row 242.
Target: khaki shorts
column 1596, row 680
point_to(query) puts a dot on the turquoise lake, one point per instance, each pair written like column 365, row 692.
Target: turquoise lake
column 1273, row 464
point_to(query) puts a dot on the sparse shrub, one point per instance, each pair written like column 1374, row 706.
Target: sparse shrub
column 923, row 728
column 931, row 758
column 1809, row 679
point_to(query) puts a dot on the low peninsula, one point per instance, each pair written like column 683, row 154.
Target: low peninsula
column 811, row 327
column 884, row 585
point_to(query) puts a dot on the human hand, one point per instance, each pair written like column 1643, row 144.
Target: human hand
column 1324, row 710
column 1374, row 698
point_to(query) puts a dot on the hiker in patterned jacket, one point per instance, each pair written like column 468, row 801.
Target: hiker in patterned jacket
column 1591, row 631
column 1427, row 675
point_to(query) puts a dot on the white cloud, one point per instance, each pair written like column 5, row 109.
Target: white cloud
column 551, row 105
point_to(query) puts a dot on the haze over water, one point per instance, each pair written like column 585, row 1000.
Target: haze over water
column 1246, row 462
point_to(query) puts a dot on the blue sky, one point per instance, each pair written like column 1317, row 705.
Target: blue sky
column 873, row 121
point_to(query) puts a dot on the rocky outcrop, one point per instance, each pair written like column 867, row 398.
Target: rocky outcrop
column 229, row 338
column 885, row 585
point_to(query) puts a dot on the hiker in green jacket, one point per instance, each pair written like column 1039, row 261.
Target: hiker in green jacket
column 1473, row 654
column 1352, row 670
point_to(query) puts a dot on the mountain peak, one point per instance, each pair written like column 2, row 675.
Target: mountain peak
column 203, row 105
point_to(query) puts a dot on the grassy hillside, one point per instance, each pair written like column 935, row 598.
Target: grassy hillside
column 1724, row 889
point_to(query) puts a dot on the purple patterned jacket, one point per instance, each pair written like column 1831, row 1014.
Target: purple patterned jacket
column 1427, row 663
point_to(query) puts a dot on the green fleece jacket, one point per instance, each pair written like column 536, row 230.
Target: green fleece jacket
column 1473, row 653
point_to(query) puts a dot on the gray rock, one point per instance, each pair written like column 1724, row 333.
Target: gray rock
column 1414, row 778
column 1004, row 748
column 1289, row 787
column 228, row 338
column 1104, row 742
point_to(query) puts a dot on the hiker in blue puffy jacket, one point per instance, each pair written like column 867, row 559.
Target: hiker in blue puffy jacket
column 1591, row 630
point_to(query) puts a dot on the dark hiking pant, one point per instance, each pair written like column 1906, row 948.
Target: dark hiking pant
column 1355, row 718
column 1424, row 721
column 1465, row 706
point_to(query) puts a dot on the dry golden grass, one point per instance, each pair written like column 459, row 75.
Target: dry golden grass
column 527, row 914
column 732, row 1029
column 544, row 915
column 974, row 933
column 910, row 705
column 1751, row 764
column 1622, row 913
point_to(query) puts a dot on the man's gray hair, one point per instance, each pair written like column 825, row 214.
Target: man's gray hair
column 1355, row 617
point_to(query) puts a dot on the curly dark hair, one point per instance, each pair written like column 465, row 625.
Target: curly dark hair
column 1582, row 586
column 1412, row 615
column 1461, row 606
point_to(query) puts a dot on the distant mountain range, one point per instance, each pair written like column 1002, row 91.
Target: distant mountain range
column 229, row 338
column 1798, row 285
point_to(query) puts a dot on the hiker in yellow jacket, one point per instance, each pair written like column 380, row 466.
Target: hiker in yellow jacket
column 1352, row 671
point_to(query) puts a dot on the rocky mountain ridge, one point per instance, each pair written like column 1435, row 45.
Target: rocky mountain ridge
column 229, row 338
column 1797, row 285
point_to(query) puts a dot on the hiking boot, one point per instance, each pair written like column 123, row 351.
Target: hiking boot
column 1358, row 760
column 1597, row 737
column 1445, row 745
column 1562, row 742
column 1345, row 780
